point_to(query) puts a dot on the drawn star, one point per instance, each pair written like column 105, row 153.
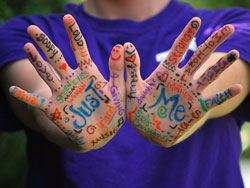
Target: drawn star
column 56, row 115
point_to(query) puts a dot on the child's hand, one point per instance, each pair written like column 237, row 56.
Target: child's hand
column 86, row 107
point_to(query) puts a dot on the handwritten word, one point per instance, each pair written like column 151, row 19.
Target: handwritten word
column 218, row 99
column 103, row 136
column 42, row 69
column 175, row 87
column 203, row 51
column 143, row 118
column 163, row 138
column 144, row 94
column 177, row 111
column 77, row 92
column 212, row 73
column 179, row 49
column 114, row 92
column 48, row 44
column 151, row 82
column 68, row 88
column 81, row 76
column 107, row 117
column 77, row 35
column 86, row 110
column 185, row 125
column 78, row 139
column 133, row 76
column 27, row 97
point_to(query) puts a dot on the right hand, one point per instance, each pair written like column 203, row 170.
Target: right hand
column 86, row 107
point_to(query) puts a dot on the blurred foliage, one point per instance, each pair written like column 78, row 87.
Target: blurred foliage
column 13, row 8
column 13, row 164
column 13, row 161
column 215, row 4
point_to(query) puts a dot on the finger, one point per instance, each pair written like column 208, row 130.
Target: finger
column 132, row 62
column 116, row 66
column 220, row 97
column 206, row 49
column 181, row 44
column 77, row 41
column 213, row 72
column 52, row 53
column 42, row 67
column 31, row 99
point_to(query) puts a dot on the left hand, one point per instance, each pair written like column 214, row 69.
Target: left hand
column 168, row 104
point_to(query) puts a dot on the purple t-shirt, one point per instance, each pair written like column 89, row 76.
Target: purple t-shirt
column 209, row 158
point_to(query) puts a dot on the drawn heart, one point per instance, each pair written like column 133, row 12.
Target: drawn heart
column 63, row 66
column 131, row 59
column 162, row 76
column 190, row 30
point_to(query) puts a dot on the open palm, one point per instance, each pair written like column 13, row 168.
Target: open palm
column 169, row 103
column 86, row 107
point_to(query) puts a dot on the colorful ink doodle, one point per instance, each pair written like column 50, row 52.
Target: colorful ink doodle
column 91, row 129
column 87, row 108
column 56, row 115
column 162, row 76
column 76, row 34
column 179, row 48
column 42, row 68
column 213, row 72
column 218, row 99
column 48, row 44
column 175, row 110
column 115, row 93
column 166, row 110
column 114, row 53
column 103, row 137
column 107, row 118
column 78, row 139
column 72, row 88
column 131, row 65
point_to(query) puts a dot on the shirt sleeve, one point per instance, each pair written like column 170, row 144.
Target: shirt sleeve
column 240, row 40
column 13, row 37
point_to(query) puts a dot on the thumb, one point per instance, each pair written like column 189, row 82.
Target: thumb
column 132, row 62
column 116, row 65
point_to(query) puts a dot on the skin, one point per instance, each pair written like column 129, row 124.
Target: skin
column 138, row 10
column 141, row 10
column 171, row 104
column 85, row 107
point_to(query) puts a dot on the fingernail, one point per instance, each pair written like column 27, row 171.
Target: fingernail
column 231, row 57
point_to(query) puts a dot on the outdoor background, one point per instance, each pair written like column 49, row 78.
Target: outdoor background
column 13, row 164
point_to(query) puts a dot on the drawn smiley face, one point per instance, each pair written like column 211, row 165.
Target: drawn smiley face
column 115, row 55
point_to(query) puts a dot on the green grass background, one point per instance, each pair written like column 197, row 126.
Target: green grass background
column 13, row 162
